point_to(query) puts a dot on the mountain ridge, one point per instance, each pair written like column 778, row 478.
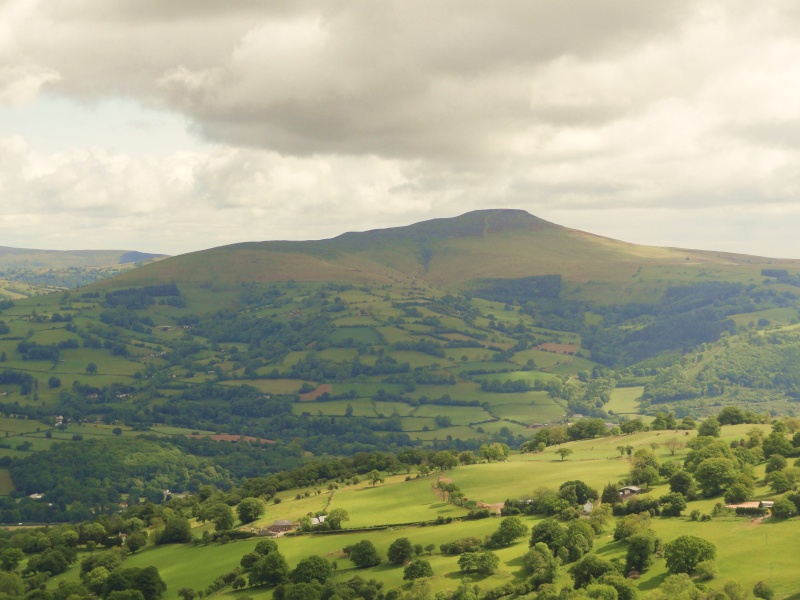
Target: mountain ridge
column 454, row 253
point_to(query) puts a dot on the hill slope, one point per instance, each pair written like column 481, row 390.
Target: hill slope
column 457, row 253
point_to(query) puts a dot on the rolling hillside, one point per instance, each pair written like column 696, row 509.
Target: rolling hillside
column 458, row 253
column 451, row 333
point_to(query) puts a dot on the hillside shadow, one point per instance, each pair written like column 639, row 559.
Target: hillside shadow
column 516, row 562
column 459, row 575
column 653, row 583
column 609, row 548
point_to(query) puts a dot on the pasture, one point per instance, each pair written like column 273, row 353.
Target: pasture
column 747, row 551
column 624, row 400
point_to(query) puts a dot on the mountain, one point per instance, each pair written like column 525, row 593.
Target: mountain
column 449, row 333
column 459, row 253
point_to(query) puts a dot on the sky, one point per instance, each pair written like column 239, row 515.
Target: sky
column 182, row 125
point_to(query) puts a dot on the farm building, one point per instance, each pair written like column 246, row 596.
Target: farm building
column 281, row 525
column 628, row 491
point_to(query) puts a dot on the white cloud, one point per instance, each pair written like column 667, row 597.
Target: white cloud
column 319, row 117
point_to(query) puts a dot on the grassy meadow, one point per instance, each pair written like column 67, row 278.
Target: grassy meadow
column 747, row 550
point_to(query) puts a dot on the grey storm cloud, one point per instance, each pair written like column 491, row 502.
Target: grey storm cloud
column 593, row 113
column 400, row 78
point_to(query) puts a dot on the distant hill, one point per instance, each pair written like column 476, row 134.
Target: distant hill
column 29, row 272
column 459, row 253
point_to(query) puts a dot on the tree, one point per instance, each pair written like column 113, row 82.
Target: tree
column 336, row 517
column 672, row 504
column 714, row 475
column 494, row 452
column 11, row 584
column 312, row 568
column 564, row 452
column 269, row 570
column 777, row 443
column 710, row 427
column 363, row 554
column 444, row 460
column 510, row 529
column 685, row 552
column 416, row 569
column 136, row 541
column 550, row 533
column 610, row 494
column 177, row 530
column 400, row 551
column 265, row 547
column 218, row 513
column 784, row 509
column 590, row 568
column 467, row 457
column 91, row 368
column 540, row 564
column 731, row 415
column 776, row 462
column 53, row 382
column 576, row 492
column 146, row 580
column 95, row 580
column 673, row 445
column 374, row 477
column 249, row 509
column 683, row 483
column 625, row 588
column 763, row 590
column 641, row 548
column 737, row 493
column 187, row 593
column 483, row 563
column 10, row 558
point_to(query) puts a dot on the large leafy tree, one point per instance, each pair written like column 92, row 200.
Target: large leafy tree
column 400, row 551
column 218, row 513
column 715, row 475
column 312, row 568
column 510, row 529
column 684, row 553
column 540, row 564
column 269, row 570
column 363, row 554
column 249, row 509
column 416, row 569
column 589, row 569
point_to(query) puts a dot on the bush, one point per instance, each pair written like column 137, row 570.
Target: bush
column 706, row 570
column 469, row 544
column 763, row 590
column 745, row 511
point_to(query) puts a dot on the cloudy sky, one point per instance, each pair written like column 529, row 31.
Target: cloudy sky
column 176, row 126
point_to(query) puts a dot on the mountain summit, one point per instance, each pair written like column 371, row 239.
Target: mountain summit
column 453, row 253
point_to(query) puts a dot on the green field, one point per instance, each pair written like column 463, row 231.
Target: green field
column 748, row 551
column 624, row 400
